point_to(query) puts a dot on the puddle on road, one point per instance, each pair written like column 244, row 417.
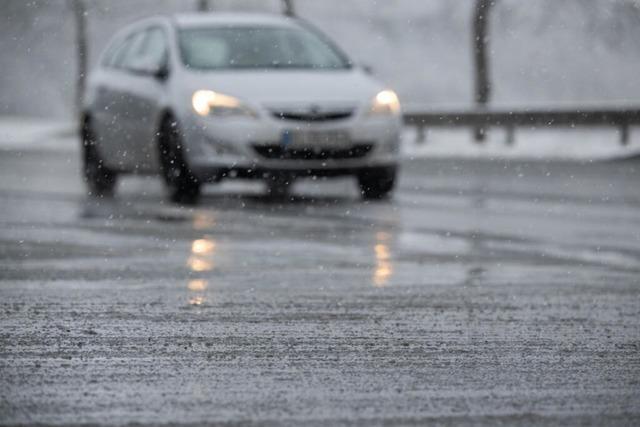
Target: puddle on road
column 113, row 209
column 340, row 235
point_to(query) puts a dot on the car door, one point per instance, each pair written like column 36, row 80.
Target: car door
column 148, row 68
column 106, row 105
column 111, row 108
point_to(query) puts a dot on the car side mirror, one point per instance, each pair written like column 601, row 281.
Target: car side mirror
column 367, row 68
column 162, row 72
column 158, row 71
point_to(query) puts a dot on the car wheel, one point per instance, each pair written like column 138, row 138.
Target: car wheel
column 377, row 183
column 182, row 185
column 100, row 180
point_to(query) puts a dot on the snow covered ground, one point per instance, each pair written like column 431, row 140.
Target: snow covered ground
column 24, row 133
column 21, row 133
column 543, row 144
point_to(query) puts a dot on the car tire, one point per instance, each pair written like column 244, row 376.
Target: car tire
column 182, row 185
column 101, row 181
column 377, row 183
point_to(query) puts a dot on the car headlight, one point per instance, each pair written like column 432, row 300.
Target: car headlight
column 210, row 103
column 385, row 102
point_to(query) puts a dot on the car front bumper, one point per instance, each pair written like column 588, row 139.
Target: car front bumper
column 244, row 147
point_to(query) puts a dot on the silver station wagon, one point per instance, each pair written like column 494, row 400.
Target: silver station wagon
column 206, row 97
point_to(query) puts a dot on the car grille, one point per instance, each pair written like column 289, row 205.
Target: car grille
column 324, row 116
column 278, row 152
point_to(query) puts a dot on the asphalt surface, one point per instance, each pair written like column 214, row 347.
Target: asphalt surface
column 483, row 293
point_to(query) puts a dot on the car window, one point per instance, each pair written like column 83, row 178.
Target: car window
column 153, row 52
column 110, row 53
column 258, row 47
column 116, row 54
column 130, row 52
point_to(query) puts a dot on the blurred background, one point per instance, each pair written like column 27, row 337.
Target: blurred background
column 499, row 284
column 542, row 52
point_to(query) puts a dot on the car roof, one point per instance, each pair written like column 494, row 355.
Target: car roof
column 192, row 20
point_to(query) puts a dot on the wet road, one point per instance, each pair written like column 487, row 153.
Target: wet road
column 483, row 293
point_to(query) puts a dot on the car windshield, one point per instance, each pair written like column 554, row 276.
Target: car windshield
column 258, row 47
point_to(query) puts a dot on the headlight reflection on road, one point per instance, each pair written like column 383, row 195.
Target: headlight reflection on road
column 198, row 264
column 384, row 268
column 198, row 285
column 197, row 288
column 201, row 259
column 199, row 300
column 203, row 221
column 202, row 253
column 203, row 246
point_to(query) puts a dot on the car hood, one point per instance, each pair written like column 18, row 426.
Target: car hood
column 289, row 87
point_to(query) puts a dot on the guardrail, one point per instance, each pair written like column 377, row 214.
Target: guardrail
column 479, row 120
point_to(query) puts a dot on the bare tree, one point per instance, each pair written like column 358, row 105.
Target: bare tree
column 203, row 6
column 288, row 8
column 82, row 51
column 480, row 40
column 481, row 16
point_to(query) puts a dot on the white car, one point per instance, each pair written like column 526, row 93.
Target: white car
column 204, row 97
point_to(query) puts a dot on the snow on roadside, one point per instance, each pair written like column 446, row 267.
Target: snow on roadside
column 28, row 134
column 540, row 144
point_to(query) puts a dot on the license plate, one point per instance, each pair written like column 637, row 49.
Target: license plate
column 310, row 139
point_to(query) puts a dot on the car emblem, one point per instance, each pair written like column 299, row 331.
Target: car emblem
column 314, row 110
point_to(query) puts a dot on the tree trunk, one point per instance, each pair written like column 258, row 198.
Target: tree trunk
column 79, row 14
column 288, row 8
column 203, row 6
column 481, row 39
column 481, row 16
